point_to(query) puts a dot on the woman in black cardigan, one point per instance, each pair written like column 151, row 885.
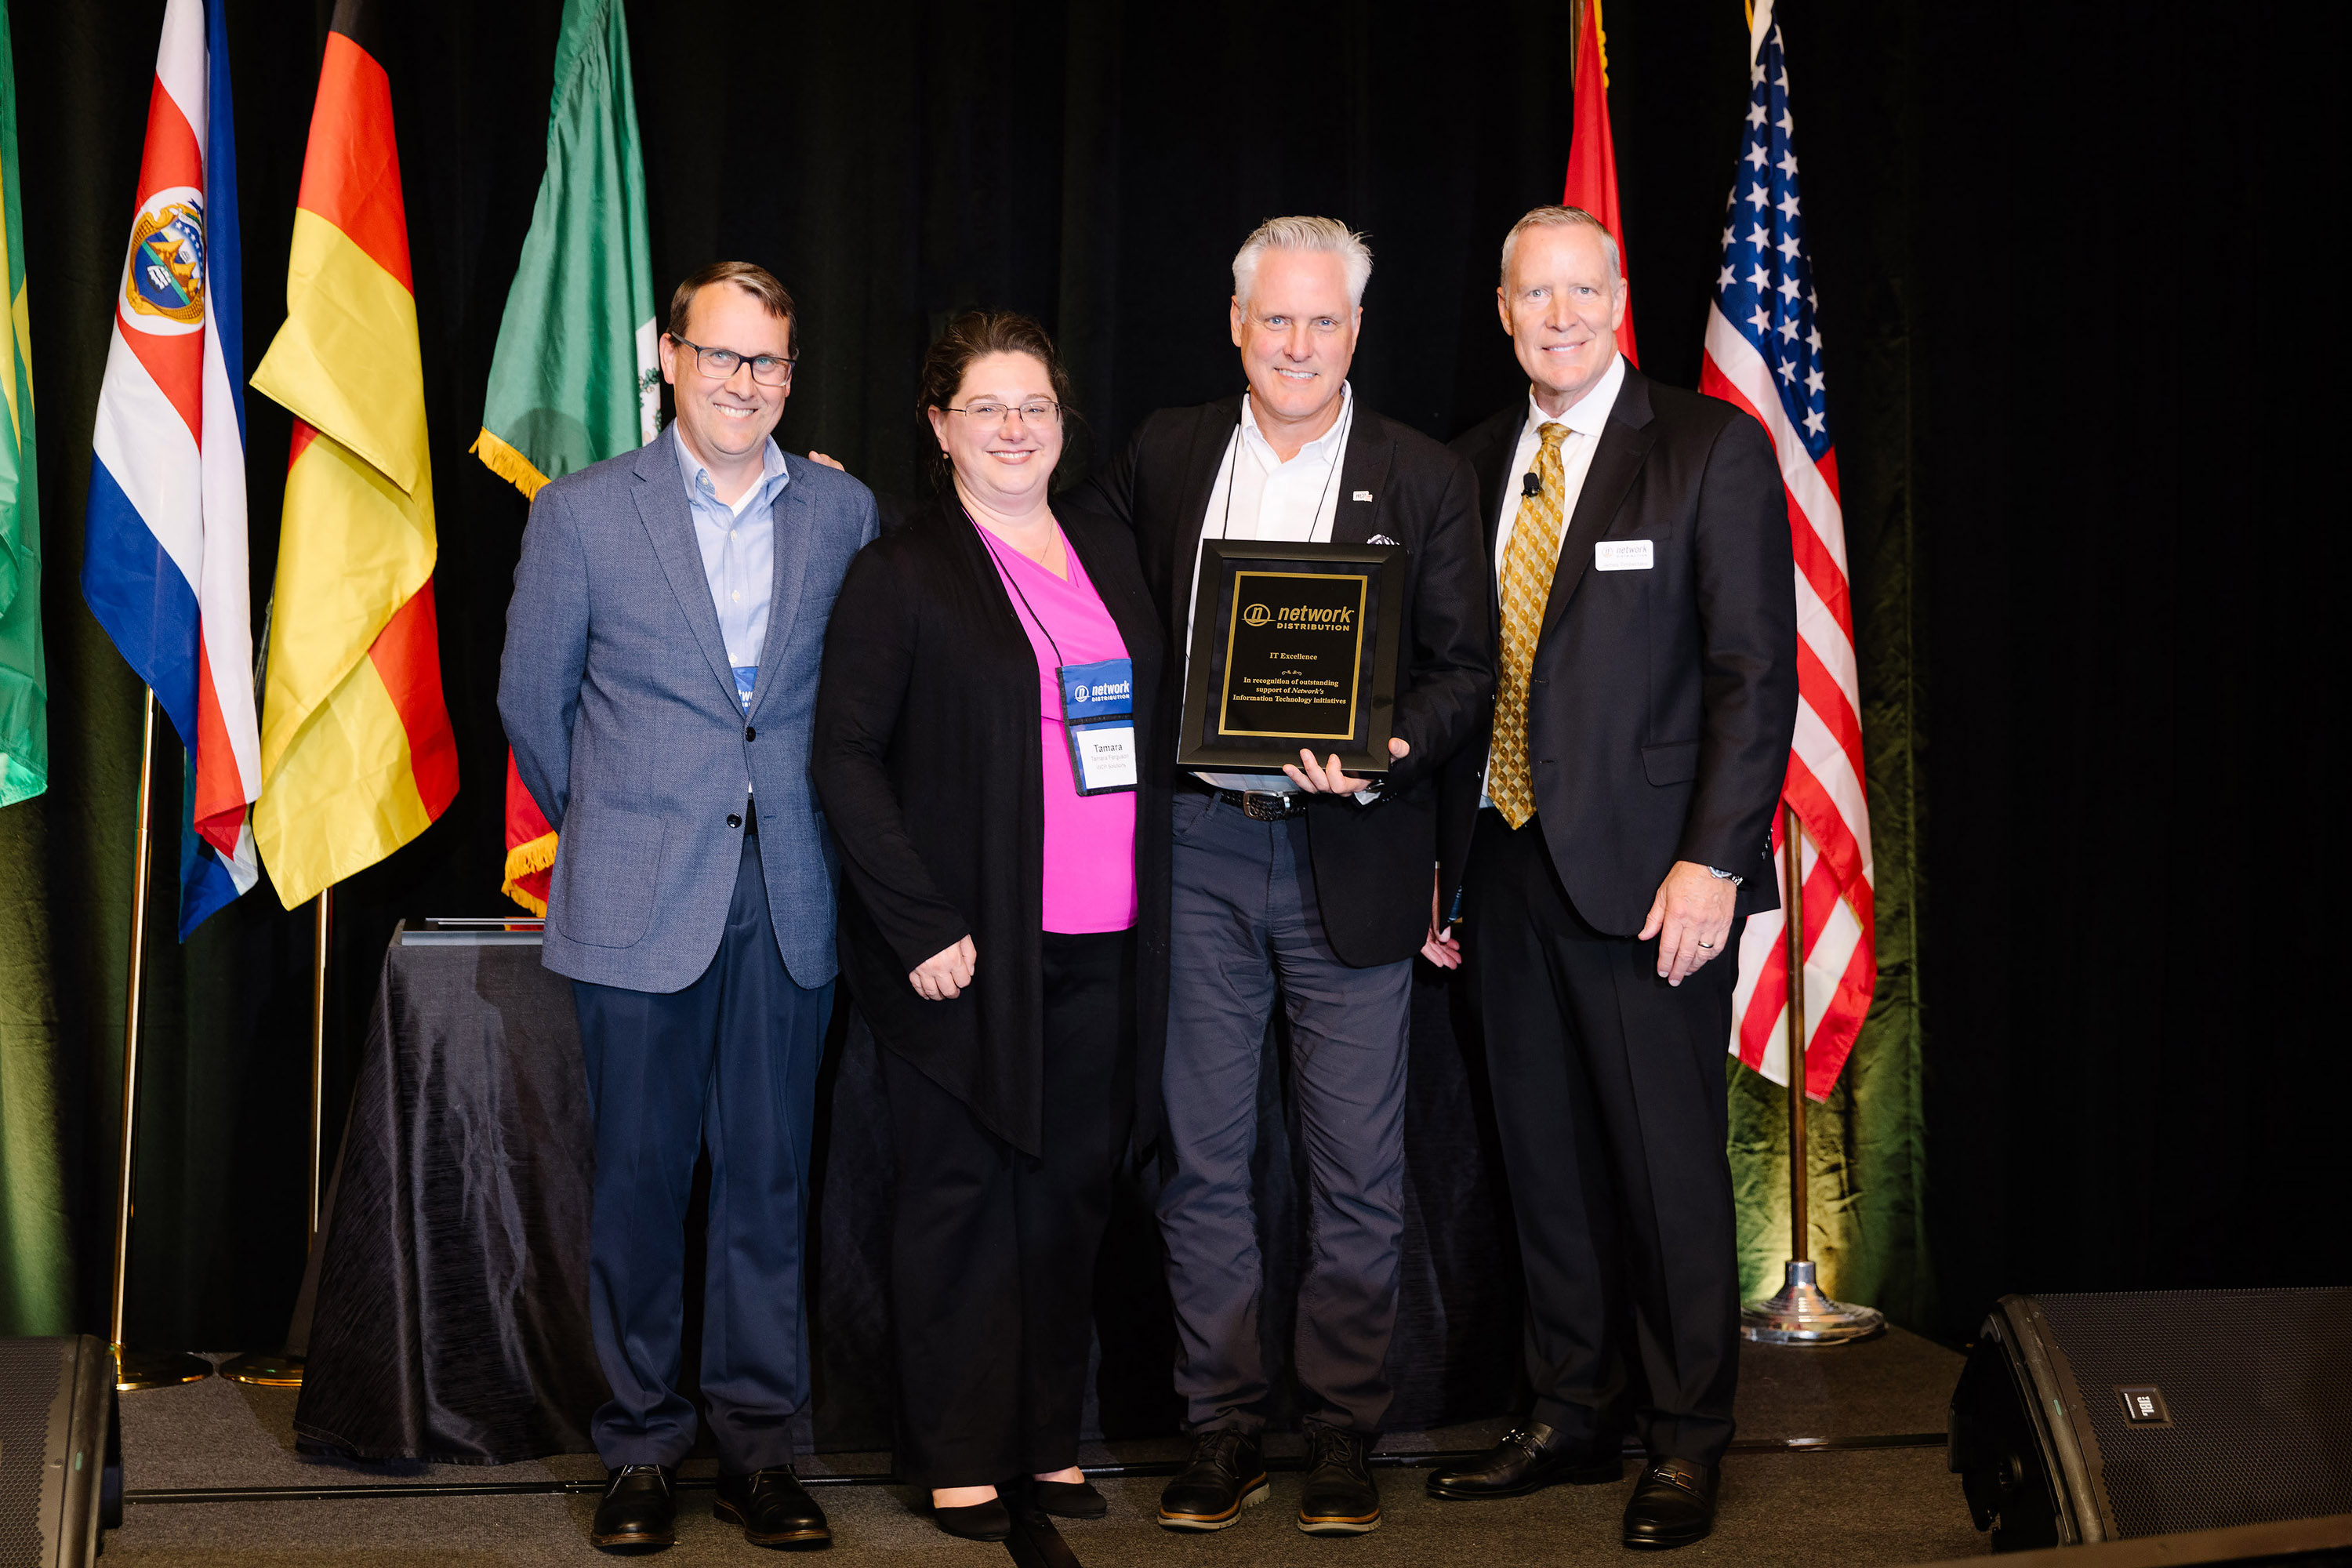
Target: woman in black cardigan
column 1018, row 995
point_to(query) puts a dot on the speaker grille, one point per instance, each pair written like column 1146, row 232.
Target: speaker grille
column 29, row 1371
column 2258, row 1385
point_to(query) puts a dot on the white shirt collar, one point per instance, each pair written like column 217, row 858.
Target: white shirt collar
column 1316, row 448
column 1589, row 413
column 697, row 473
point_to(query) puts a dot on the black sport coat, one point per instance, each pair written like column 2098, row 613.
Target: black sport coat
column 1372, row 863
column 1662, row 701
column 926, row 759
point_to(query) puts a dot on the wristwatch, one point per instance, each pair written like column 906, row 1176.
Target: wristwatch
column 1721, row 876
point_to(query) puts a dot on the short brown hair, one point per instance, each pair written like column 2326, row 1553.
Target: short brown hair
column 973, row 337
column 753, row 280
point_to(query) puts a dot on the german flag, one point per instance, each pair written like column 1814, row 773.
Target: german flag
column 357, row 757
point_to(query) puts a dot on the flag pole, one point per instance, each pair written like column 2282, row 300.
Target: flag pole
column 321, row 933
column 1800, row 1312
column 282, row 1368
column 135, row 1369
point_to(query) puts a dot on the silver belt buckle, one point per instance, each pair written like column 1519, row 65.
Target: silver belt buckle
column 1266, row 806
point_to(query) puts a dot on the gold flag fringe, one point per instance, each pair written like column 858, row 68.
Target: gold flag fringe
column 516, row 470
column 524, row 859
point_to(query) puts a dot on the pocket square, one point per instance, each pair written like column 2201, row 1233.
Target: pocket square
column 1380, row 539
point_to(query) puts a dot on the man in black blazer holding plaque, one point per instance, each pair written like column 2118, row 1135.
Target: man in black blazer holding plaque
column 1306, row 883
column 1617, row 829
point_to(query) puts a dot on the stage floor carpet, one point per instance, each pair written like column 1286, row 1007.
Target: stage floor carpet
column 194, row 1456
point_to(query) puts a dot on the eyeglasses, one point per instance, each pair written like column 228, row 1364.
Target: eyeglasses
column 1036, row 411
column 720, row 364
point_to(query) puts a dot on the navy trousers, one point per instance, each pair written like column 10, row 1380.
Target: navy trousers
column 1247, row 932
column 730, row 1062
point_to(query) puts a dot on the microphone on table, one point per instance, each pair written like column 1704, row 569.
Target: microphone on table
column 1531, row 484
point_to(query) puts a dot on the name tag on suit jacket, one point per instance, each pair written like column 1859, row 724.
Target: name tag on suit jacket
column 1625, row 555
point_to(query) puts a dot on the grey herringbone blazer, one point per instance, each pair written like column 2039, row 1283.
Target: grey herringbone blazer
column 618, row 700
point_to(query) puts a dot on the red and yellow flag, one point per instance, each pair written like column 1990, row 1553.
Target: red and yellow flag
column 1592, row 150
column 357, row 755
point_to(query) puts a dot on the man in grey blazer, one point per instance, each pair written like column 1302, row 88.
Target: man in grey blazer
column 659, row 673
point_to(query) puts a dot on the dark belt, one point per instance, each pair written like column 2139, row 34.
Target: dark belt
column 1258, row 806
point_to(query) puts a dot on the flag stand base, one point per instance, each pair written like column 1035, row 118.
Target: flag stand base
column 137, row 1369
column 1802, row 1314
column 265, row 1370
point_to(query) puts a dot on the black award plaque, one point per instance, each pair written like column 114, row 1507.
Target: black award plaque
column 1293, row 646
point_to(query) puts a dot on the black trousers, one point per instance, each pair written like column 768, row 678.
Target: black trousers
column 992, row 1251
column 1610, row 1098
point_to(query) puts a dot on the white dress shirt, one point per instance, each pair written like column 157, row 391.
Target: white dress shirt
column 1585, row 419
column 1259, row 496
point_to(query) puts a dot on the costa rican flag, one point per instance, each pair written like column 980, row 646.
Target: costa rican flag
column 1764, row 353
column 165, row 563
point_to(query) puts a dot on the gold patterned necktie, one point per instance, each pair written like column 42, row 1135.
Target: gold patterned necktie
column 1529, row 562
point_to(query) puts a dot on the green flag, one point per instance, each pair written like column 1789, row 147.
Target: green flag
column 24, row 678
column 575, row 379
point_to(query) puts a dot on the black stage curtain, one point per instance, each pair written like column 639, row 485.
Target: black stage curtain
column 2047, row 241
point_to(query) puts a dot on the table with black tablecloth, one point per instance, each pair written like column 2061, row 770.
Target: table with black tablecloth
column 446, row 1312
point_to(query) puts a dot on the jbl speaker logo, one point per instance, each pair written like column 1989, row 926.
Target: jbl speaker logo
column 2144, row 1406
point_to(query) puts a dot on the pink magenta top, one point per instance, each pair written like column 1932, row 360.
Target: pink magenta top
column 1089, row 838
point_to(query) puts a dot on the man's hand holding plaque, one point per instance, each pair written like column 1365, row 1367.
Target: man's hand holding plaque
column 1326, row 778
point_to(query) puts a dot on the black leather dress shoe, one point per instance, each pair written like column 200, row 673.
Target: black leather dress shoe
column 638, row 1512
column 1227, row 1475
column 1531, row 1456
column 1339, row 1498
column 990, row 1520
column 1673, row 1504
column 772, row 1509
column 1071, row 1500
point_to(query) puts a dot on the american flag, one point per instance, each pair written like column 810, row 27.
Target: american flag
column 1764, row 353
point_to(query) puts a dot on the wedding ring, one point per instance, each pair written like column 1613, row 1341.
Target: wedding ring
column 1706, row 944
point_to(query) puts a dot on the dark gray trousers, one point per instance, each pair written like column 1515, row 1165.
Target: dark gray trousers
column 1246, row 927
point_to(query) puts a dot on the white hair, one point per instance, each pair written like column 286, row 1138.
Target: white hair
column 1563, row 218
column 1304, row 234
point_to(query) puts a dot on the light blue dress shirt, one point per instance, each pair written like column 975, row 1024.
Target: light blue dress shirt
column 739, row 555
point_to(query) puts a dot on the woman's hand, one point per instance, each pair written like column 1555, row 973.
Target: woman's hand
column 943, row 975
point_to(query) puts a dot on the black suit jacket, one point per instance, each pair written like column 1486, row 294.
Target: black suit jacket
column 926, row 759
column 1371, row 862
column 1662, row 701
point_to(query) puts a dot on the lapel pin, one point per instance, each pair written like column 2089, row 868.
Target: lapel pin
column 1364, row 495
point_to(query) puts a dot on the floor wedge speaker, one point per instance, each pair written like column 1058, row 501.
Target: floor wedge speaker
column 60, row 1451
column 2109, row 1417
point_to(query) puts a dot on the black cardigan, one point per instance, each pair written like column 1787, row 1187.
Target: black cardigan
column 925, row 760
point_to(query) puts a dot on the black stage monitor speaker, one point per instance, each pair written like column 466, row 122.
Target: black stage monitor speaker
column 2107, row 1417
column 60, row 1454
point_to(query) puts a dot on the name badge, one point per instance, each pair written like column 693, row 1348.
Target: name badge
column 1098, row 716
column 1624, row 555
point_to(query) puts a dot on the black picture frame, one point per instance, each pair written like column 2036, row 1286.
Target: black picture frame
column 1220, row 724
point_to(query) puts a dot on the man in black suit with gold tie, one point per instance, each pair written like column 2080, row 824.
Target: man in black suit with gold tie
column 1607, row 845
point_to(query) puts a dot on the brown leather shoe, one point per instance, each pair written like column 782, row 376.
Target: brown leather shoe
column 772, row 1509
column 1673, row 1505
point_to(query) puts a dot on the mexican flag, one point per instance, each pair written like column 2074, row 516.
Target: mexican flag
column 575, row 379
